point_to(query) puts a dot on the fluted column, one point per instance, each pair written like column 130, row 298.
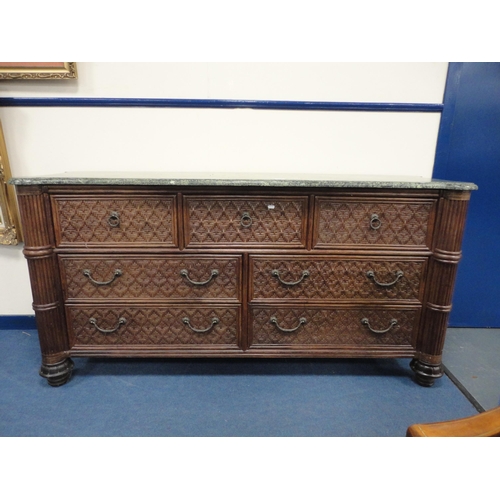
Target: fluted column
column 34, row 208
column 441, row 274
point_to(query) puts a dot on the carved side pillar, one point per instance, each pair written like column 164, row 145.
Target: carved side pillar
column 442, row 271
column 34, row 207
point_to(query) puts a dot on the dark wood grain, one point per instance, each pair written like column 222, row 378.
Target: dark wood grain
column 34, row 207
column 298, row 253
column 452, row 211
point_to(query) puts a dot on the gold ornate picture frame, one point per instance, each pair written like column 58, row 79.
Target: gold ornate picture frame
column 10, row 229
column 37, row 70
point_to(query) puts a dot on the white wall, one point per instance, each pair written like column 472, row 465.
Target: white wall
column 351, row 82
column 52, row 140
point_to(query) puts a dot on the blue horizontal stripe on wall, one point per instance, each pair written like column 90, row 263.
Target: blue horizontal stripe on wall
column 24, row 322
column 104, row 102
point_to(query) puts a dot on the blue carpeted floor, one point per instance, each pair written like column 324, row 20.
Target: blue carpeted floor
column 185, row 397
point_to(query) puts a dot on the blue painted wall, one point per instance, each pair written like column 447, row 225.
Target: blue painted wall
column 469, row 150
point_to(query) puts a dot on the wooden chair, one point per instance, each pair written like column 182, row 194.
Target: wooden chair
column 485, row 424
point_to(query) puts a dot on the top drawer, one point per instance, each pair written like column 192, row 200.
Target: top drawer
column 114, row 220
column 373, row 222
column 245, row 220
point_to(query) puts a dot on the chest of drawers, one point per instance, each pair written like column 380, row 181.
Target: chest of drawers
column 165, row 267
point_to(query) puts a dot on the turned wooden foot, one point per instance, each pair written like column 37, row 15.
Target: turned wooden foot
column 426, row 373
column 58, row 373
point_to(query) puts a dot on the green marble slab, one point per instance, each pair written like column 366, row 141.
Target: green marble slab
column 239, row 179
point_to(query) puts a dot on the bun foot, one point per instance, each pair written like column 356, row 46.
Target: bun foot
column 58, row 373
column 425, row 373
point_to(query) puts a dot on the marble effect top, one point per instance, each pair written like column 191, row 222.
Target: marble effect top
column 238, row 179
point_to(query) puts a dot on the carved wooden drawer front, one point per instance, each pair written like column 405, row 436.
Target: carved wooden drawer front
column 327, row 326
column 139, row 277
column 175, row 326
column 344, row 221
column 177, row 267
column 221, row 221
column 336, row 278
column 115, row 220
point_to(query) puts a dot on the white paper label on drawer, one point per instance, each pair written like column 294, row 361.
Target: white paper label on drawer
column 270, row 207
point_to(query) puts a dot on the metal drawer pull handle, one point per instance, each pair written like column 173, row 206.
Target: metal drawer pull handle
column 116, row 274
column 214, row 322
column 375, row 222
column 276, row 274
column 246, row 220
column 214, row 273
column 365, row 322
column 399, row 275
column 274, row 321
column 121, row 322
column 114, row 219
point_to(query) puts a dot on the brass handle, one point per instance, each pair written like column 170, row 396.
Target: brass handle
column 375, row 222
column 121, row 322
column 213, row 274
column 365, row 322
column 246, row 220
column 116, row 274
column 274, row 321
column 206, row 330
column 276, row 274
column 114, row 219
column 399, row 275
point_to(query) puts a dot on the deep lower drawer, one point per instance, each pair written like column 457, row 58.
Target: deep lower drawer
column 336, row 278
column 239, row 220
column 373, row 222
column 115, row 220
column 166, row 277
column 176, row 326
column 352, row 327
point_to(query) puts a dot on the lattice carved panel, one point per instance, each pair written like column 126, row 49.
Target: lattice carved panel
column 222, row 221
column 332, row 326
column 348, row 223
column 139, row 220
column 336, row 279
column 155, row 278
column 153, row 326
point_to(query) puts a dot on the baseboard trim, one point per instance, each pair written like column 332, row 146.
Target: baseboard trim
column 24, row 322
column 463, row 390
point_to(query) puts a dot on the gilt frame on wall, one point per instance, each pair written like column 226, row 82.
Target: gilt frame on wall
column 10, row 228
column 37, row 70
